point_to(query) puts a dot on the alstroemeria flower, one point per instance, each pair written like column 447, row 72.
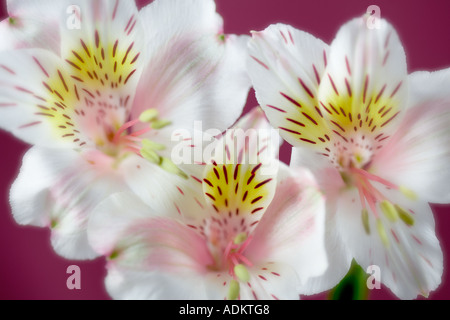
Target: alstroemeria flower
column 100, row 108
column 239, row 231
column 376, row 138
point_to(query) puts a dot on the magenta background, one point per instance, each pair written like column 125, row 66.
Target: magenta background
column 28, row 267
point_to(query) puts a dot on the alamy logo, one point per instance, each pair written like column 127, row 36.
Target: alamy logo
column 235, row 146
column 374, row 280
column 373, row 20
column 74, row 281
column 73, row 22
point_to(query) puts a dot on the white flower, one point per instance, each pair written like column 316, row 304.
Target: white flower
column 377, row 139
column 241, row 230
column 100, row 105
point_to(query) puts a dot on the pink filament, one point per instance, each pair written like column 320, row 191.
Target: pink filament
column 367, row 192
column 374, row 178
column 123, row 128
column 140, row 132
column 234, row 255
column 131, row 139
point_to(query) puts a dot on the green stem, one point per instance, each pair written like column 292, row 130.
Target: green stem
column 353, row 286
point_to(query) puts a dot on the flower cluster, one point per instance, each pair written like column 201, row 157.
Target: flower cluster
column 110, row 99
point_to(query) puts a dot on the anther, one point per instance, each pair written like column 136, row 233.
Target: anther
column 150, row 145
column 151, row 156
column 389, row 210
column 382, row 233
column 240, row 238
column 160, row 124
column 241, row 273
column 233, row 290
column 411, row 195
column 365, row 220
column 149, row 115
column 405, row 216
column 168, row 165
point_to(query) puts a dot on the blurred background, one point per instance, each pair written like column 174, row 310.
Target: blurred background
column 29, row 269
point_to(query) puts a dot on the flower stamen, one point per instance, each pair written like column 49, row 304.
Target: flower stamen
column 373, row 177
column 373, row 197
column 234, row 256
column 233, row 290
column 123, row 128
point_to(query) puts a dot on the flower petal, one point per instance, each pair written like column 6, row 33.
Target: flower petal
column 195, row 73
column 126, row 284
column 25, row 27
column 364, row 86
column 271, row 281
column 239, row 180
column 338, row 256
column 28, row 109
column 286, row 67
column 107, row 225
column 58, row 189
column 103, row 59
column 125, row 223
column 404, row 245
column 239, row 192
column 428, row 87
column 147, row 180
column 269, row 138
column 182, row 18
column 292, row 229
column 164, row 254
column 246, row 152
column 330, row 183
column 105, row 52
column 418, row 155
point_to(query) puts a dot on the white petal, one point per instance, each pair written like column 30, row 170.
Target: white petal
column 418, row 156
column 8, row 42
column 163, row 253
column 112, row 218
column 160, row 189
column 292, row 229
column 234, row 170
column 327, row 176
column 26, row 29
column 154, row 243
column 239, row 180
column 271, row 281
column 286, row 67
column 128, row 284
column 28, row 193
column 103, row 57
column 304, row 157
column 181, row 18
column 428, row 87
column 58, row 189
column 28, row 109
column 408, row 254
column 339, row 260
column 269, row 140
column 330, row 183
column 251, row 140
column 241, row 193
column 364, row 86
column 193, row 74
